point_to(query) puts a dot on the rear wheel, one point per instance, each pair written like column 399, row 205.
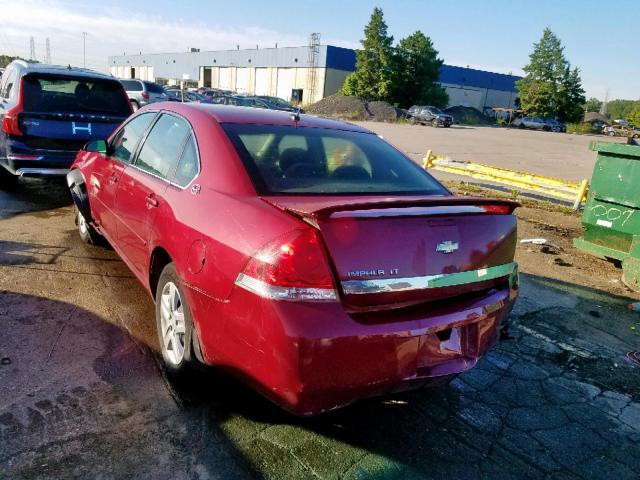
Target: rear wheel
column 135, row 106
column 173, row 321
column 434, row 123
column 612, row 133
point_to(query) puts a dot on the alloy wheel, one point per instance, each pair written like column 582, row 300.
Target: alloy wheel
column 172, row 323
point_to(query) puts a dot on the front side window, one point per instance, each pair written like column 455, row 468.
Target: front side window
column 124, row 142
column 160, row 151
column 283, row 160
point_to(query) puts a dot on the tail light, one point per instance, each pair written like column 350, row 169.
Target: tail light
column 11, row 118
column 292, row 267
column 145, row 95
column 498, row 209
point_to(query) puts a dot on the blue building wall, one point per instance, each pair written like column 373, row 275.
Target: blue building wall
column 470, row 77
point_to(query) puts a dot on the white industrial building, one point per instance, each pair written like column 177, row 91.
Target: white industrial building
column 309, row 73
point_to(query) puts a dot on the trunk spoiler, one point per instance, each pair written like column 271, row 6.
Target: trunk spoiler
column 323, row 209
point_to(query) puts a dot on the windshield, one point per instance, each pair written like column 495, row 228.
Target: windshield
column 313, row 161
column 65, row 94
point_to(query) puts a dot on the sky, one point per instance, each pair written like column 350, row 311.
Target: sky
column 494, row 35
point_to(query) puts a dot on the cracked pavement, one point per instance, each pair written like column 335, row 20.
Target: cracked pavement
column 82, row 395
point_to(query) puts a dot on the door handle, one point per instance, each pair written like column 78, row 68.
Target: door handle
column 113, row 178
column 152, row 202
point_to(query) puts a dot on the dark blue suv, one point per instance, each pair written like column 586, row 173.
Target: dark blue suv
column 49, row 112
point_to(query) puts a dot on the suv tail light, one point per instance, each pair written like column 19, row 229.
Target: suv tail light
column 292, row 267
column 11, row 118
column 145, row 95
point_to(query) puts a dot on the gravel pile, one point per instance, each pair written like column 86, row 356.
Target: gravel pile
column 353, row 108
column 383, row 112
column 340, row 106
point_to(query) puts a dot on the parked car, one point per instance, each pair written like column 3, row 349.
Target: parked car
column 239, row 101
column 554, row 125
column 305, row 255
column 533, row 123
column 276, row 103
column 142, row 92
column 617, row 130
column 49, row 112
column 429, row 115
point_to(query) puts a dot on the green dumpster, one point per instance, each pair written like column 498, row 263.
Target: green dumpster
column 611, row 217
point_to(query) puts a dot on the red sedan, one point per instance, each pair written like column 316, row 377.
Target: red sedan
column 306, row 256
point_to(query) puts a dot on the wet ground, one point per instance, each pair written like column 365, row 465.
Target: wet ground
column 82, row 395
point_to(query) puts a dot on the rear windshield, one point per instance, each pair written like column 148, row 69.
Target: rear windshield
column 285, row 160
column 131, row 85
column 154, row 87
column 66, row 94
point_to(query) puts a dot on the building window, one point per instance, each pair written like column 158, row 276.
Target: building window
column 249, row 60
column 214, row 60
column 295, row 60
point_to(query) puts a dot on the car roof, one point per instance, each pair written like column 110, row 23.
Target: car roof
column 27, row 67
column 256, row 116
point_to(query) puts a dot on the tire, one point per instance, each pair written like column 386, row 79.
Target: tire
column 412, row 121
column 135, row 106
column 612, row 134
column 174, row 323
column 434, row 123
column 87, row 233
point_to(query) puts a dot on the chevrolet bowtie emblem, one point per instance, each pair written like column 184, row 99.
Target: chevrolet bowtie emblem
column 447, row 246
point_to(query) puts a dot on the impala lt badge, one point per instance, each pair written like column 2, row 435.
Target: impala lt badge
column 447, row 246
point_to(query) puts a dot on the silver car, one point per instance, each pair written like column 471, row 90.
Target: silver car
column 142, row 92
column 534, row 123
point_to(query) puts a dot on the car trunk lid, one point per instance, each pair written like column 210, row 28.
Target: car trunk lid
column 396, row 251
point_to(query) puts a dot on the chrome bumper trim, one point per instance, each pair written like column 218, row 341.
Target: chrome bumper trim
column 41, row 171
column 390, row 285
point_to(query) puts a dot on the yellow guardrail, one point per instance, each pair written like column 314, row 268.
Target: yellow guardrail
column 554, row 187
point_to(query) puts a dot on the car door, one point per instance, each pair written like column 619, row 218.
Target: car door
column 141, row 190
column 108, row 170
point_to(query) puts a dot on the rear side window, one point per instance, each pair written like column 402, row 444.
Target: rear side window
column 160, row 151
column 124, row 143
column 67, row 94
column 188, row 165
column 131, row 85
column 154, row 87
column 313, row 161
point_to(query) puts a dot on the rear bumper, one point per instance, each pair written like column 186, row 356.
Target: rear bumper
column 310, row 358
column 38, row 162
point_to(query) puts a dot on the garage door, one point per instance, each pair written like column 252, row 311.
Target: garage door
column 225, row 78
column 242, row 80
column 285, row 83
column 262, row 81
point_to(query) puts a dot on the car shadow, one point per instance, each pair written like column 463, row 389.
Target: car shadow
column 34, row 195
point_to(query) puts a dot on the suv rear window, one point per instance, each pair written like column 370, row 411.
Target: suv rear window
column 131, row 85
column 314, row 161
column 154, row 87
column 67, row 94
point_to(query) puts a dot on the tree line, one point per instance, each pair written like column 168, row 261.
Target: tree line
column 408, row 73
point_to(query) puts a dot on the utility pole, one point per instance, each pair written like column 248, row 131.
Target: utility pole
column 84, row 49
column 32, row 48
column 47, row 57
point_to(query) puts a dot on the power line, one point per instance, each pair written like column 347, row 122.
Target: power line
column 47, row 57
column 32, row 48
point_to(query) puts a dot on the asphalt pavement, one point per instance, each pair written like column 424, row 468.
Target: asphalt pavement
column 82, row 394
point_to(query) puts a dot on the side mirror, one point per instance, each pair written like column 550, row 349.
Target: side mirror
column 99, row 146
